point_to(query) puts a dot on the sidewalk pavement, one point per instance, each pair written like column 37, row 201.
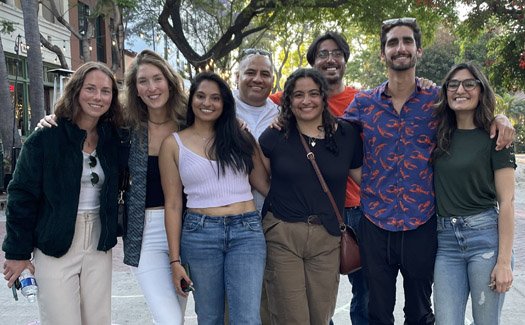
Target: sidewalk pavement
column 129, row 306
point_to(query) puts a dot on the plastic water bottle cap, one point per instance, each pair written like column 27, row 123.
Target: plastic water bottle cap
column 31, row 298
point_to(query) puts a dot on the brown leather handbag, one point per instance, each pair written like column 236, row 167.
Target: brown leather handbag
column 350, row 259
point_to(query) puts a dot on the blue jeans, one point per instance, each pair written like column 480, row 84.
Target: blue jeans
column 226, row 256
column 359, row 304
column 467, row 253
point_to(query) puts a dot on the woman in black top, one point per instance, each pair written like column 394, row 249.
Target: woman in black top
column 301, row 229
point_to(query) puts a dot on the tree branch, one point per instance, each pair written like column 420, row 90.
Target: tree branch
column 55, row 49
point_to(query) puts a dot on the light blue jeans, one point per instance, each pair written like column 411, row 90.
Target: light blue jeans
column 466, row 255
column 226, row 256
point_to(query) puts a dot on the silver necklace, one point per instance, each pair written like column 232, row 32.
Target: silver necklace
column 312, row 140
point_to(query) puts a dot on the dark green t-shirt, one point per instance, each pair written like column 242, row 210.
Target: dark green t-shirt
column 464, row 180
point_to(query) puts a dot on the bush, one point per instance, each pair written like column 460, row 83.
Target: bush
column 519, row 143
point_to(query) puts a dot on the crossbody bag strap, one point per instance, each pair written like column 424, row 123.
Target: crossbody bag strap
column 310, row 156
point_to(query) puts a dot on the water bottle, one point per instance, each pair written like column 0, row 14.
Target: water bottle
column 28, row 285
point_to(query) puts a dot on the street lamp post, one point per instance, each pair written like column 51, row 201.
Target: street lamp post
column 14, row 150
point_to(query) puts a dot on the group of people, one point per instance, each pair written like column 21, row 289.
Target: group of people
column 238, row 214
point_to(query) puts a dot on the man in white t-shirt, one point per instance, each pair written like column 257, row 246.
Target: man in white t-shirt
column 255, row 81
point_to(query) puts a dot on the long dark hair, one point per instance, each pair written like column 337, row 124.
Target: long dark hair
column 288, row 119
column 446, row 117
column 232, row 146
column 68, row 106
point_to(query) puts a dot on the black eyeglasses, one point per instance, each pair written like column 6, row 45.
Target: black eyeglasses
column 94, row 176
column 253, row 51
column 468, row 84
column 336, row 54
column 395, row 21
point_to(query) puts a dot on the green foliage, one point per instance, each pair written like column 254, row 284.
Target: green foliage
column 504, row 69
column 365, row 68
column 127, row 4
column 438, row 57
column 360, row 22
column 6, row 26
column 142, row 20
column 519, row 143
column 475, row 49
column 513, row 106
column 494, row 34
column 205, row 23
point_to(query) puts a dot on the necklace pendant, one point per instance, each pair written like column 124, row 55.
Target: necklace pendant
column 312, row 142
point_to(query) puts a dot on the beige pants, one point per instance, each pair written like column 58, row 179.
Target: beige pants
column 302, row 272
column 75, row 289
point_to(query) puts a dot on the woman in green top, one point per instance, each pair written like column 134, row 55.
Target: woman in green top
column 474, row 186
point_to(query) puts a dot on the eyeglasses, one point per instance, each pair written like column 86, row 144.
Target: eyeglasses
column 324, row 54
column 247, row 52
column 92, row 164
column 395, row 21
column 468, row 84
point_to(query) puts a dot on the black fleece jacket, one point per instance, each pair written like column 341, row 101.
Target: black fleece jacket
column 43, row 195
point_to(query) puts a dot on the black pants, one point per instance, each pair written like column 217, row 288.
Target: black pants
column 385, row 253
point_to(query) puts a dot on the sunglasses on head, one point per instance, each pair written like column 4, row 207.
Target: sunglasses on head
column 468, row 84
column 253, row 51
column 396, row 21
column 94, row 176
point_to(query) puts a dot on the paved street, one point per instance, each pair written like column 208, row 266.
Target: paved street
column 129, row 306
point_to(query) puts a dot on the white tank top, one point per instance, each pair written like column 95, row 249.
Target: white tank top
column 201, row 184
column 90, row 183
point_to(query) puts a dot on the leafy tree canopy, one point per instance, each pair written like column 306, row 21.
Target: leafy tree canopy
column 216, row 28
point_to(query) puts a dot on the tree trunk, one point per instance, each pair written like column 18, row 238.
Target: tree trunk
column 117, row 38
column 34, row 61
column 86, row 41
column 7, row 111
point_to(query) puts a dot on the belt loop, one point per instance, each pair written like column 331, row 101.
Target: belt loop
column 201, row 222
column 313, row 219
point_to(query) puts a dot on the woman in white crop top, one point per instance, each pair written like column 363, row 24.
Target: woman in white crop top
column 220, row 238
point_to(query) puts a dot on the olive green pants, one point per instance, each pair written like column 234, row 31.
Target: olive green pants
column 302, row 272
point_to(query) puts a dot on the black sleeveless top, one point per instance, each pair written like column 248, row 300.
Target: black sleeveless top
column 154, row 194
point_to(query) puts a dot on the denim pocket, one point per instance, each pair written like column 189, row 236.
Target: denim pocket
column 484, row 220
column 253, row 225
column 190, row 225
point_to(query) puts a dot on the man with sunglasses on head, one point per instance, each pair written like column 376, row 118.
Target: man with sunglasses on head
column 398, row 232
column 329, row 54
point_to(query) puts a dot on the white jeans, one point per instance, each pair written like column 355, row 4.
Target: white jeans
column 154, row 273
column 75, row 288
